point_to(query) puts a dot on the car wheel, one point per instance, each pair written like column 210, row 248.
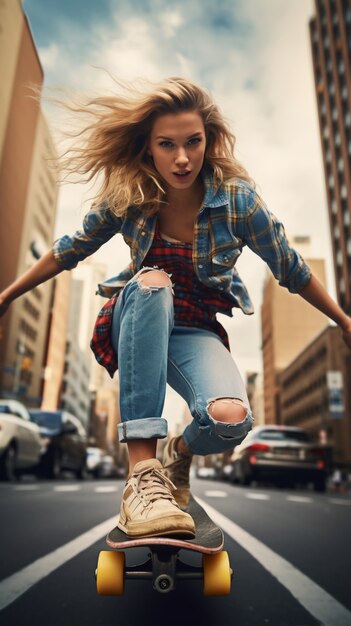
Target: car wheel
column 320, row 485
column 8, row 463
column 82, row 472
column 55, row 466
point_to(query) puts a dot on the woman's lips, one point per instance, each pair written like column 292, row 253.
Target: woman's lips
column 181, row 175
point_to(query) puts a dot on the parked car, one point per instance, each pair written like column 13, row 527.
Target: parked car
column 281, row 454
column 65, row 441
column 20, row 443
column 94, row 456
column 206, row 472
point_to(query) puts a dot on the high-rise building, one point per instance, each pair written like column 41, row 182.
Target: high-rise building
column 27, row 205
column 330, row 32
column 289, row 323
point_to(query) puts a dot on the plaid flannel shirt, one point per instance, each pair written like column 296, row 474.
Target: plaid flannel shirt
column 231, row 217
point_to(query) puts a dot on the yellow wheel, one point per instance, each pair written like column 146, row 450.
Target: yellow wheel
column 217, row 574
column 110, row 573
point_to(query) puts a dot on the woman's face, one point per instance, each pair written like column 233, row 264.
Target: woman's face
column 177, row 146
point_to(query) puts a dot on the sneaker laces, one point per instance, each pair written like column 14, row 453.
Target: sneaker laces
column 152, row 484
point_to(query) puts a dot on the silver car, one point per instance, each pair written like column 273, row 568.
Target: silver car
column 20, row 444
column 281, row 454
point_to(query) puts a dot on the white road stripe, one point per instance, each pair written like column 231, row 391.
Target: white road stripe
column 216, row 494
column 340, row 501
column 257, row 496
column 17, row 584
column 26, row 488
column 67, row 488
column 299, row 499
column 318, row 602
column 105, row 489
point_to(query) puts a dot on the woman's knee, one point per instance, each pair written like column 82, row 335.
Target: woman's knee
column 230, row 410
column 154, row 278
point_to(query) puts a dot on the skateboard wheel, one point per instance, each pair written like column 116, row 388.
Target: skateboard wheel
column 217, row 574
column 110, row 573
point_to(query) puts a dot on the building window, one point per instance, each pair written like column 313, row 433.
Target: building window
column 337, row 139
column 339, row 257
column 334, row 207
column 341, row 164
column 348, row 119
column 349, row 247
column 343, row 192
column 331, row 182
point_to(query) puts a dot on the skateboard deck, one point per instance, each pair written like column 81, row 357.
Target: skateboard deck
column 164, row 565
column 208, row 537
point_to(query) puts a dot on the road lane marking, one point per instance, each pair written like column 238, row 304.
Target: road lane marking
column 16, row 585
column 339, row 501
column 67, row 488
column 257, row 496
column 26, row 488
column 299, row 499
column 106, row 489
column 318, row 602
column 216, row 494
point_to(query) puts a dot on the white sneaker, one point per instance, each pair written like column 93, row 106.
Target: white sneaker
column 148, row 507
column 177, row 469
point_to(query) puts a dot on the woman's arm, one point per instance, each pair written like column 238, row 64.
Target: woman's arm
column 315, row 294
column 47, row 267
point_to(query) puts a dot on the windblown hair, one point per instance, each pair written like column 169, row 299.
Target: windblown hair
column 114, row 143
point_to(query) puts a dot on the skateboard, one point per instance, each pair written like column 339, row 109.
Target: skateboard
column 164, row 566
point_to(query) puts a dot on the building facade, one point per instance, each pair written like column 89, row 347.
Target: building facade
column 330, row 33
column 288, row 323
column 28, row 198
column 308, row 400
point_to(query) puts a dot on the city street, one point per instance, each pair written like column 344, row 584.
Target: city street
column 288, row 549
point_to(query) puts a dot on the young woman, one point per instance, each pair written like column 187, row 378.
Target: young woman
column 185, row 206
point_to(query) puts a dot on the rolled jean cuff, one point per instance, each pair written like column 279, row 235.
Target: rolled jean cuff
column 146, row 428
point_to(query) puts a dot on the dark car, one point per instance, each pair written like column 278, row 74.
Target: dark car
column 281, row 454
column 64, row 440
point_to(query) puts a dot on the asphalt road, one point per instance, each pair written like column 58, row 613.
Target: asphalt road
column 290, row 552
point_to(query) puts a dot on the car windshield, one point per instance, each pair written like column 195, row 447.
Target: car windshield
column 48, row 419
column 285, row 435
column 4, row 408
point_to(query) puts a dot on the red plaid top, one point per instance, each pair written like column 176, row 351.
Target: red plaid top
column 195, row 304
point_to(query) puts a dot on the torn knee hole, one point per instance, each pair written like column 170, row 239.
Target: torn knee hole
column 154, row 278
column 227, row 409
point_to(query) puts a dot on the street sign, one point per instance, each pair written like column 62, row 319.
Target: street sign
column 335, row 394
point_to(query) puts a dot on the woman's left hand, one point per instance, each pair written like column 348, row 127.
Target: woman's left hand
column 346, row 334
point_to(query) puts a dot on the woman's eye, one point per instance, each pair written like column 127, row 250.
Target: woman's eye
column 166, row 144
column 194, row 140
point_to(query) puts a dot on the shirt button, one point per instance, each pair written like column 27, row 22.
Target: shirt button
column 225, row 258
column 200, row 266
column 143, row 232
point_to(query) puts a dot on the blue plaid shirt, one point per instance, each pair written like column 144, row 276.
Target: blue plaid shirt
column 231, row 217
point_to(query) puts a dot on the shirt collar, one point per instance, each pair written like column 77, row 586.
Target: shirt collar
column 215, row 194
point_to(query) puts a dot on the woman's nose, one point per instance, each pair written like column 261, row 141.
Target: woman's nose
column 182, row 157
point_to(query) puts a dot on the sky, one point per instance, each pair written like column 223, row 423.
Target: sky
column 254, row 56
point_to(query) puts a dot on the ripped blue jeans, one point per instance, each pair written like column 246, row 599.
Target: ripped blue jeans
column 153, row 351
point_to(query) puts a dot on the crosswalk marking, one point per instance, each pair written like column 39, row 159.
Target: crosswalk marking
column 106, row 489
column 302, row 499
column 67, row 488
column 216, row 494
column 257, row 496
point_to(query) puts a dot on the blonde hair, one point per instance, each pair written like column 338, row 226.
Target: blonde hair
column 114, row 142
